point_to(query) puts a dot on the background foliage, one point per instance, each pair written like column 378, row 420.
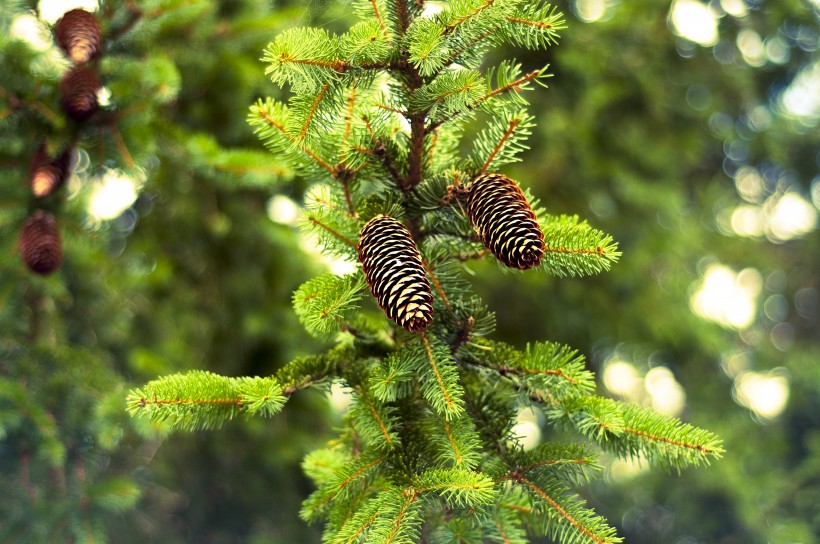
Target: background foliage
column 653, row 134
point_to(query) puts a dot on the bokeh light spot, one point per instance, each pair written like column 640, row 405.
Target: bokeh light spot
column 765, row 394
column 728, row 298
column 694, row 21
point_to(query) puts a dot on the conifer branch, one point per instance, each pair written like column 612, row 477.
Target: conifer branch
column 464, row 18
column 410, row 497
column 573, row 248
column 541, row 25
column 504, row 538
column 325, row 303
column 392, row 110
column 260, row 111
column 379, row 419
column 437, row 286
column 416, row 166
column 457, row 52
column 381, row 152
column 121, row 147
column 351, row 103
column 304, row 372
column 507, row 133
column 203, row 400
column 450, row 406
column 605, row 536
column 375, row 422
column 340, row 485
column 378, row 15
column 515, row 86
column 336, row 234
column 402, row 16
column 312, row 111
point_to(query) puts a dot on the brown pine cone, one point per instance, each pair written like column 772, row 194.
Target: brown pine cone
column 79, row 34
column 393, row 269
column 46, row 175
column 505, row 222
column 78, row 93
column 40, row 244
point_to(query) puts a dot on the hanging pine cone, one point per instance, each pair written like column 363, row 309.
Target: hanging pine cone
column 505, row 222
column 40, row 243
column 79, row 34
column 392, row 266
column 46, row 174
column 78, row 93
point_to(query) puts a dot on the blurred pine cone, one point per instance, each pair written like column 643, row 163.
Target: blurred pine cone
column 505, row 221
column 78, row 90
column 79, row 34
column 393, row 269
column 40, row 244
column 46, row 174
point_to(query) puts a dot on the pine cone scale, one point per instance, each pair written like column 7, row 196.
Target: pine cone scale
column 394, row 272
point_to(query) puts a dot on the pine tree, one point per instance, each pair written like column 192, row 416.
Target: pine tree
column 428, row 452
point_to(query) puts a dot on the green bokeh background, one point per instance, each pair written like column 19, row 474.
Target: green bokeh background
column 641, row 131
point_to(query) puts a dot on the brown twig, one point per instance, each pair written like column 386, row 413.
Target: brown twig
column 507, row 133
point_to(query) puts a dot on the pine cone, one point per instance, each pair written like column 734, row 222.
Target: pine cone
column 505, row 222
column 79, row 34
column 40, row 243
column 46, row 174
column 78, row 90
column 392, row 266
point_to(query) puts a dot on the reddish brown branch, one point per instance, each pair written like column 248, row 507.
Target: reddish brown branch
column 507, row 133
column 656, row 438
column 464, row 19
column 336, row 234
column 278, row 126
column 537, row 24
column 312, row 111
column 513, row 85
column 560, row 509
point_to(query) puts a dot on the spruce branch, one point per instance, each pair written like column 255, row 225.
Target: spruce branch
column 346, row 480
column 392, row 378
column 573, row 248
column 565, row 518
column 508, row 87
column 375, row 422
column 325, row 303
column 502, row 140
column 534, row 26
column 335, row 227
column 306, row 58
column 629, row 430
column 374, row 8
column 439, row 378
column 304, row 372
column 544, row 368
column 270, row 119
column 571, row 463
column 203, row 400
column 456, row 443
column 429, row 450
column 460, row 488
